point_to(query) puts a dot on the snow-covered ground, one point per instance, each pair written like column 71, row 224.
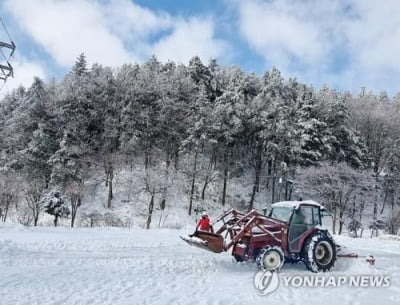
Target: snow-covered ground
column 134, row 266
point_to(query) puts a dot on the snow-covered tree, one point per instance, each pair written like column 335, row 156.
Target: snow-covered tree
column 311, row 130
column 55, row 204
column 345, row 142
column 139, row 121
column 228, row 123
column 78, row 135
column 336, row 186
column 105, row 122
column 374, row 120
column 10, row 188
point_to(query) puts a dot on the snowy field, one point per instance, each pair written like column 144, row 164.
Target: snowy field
column 134, row 266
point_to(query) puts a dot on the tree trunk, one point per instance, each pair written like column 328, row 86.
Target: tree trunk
column 384, row 200
column 253, row 194
column 159, row 221
column 383, row 206
column 392, row 200
column 208, row 174
column 273, row 181
column 35, row 219
column 225, row 178
column 176, row 159
column 150, row 212
column 203, row 191
column 256, row 179
column 341, row 221
column 166, row 181
column 287, row 190
column 376, row 198
column 334, row 219
column 55, row 220
column 193, row 184
column 269, row 172
column 7, row 202
column 106, row 172
column 258, row 168
column 215, row 151
column 33, row 199
column 224, row 186
column 110, row 184
column 353, row 211
column 72, row 219
column 340, row 227
column 362, row 206
column 75, row 204
column 36, row 211
column 146, row 160
column 6, row 210
column 280, row 182
column 376, row 208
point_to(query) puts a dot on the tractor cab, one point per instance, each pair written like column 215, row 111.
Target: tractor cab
column 301, row 217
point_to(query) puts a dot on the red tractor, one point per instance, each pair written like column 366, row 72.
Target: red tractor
column 291, row 232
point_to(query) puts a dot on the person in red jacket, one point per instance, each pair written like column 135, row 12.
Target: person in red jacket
column 204, row 223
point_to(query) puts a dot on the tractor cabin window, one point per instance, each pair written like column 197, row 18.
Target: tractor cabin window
column 308, row 216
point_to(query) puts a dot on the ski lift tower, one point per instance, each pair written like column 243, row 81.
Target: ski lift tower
column 7, row 50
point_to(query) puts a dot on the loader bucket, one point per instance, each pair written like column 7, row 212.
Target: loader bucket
column 206, row 240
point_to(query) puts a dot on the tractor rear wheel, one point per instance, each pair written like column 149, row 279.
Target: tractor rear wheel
column 270, row 258
column 319, row 252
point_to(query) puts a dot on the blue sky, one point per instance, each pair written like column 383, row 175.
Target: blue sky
column 347, row 44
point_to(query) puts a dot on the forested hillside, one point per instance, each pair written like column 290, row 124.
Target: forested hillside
column 198, row 128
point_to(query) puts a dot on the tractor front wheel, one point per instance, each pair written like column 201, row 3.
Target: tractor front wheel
column 319, row 252
column 270, row 258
